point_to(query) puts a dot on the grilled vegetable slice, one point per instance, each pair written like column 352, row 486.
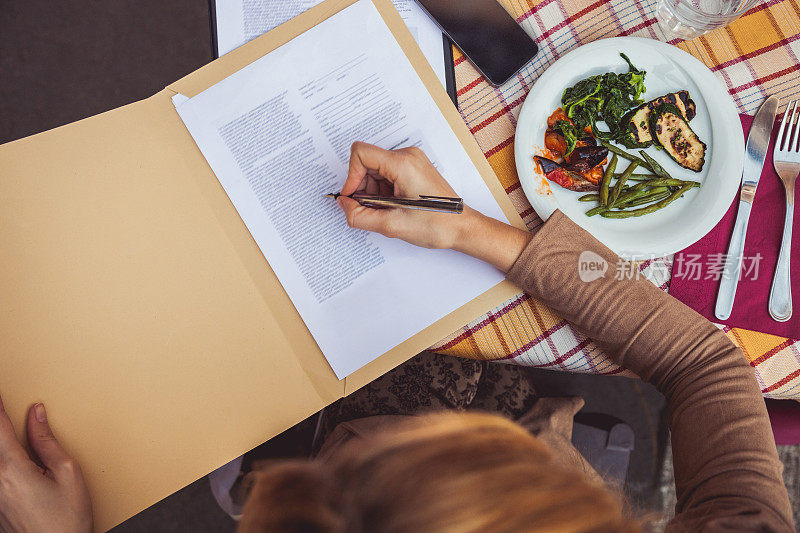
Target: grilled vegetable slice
column 547, row 165
column 566, row 178
column 638, row 120
column 638, row 124
column 673, row 132
column 572, row 181
column 586, row 157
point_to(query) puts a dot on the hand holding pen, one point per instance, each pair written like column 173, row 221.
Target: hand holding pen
column 405, row 176
column 408, row 174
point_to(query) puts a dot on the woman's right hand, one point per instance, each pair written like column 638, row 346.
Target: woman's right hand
column 408, row 173
column 404, row 173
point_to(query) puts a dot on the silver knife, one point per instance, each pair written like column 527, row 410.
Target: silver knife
column 755, row 153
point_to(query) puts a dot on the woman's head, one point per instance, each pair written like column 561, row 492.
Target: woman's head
column 435, row 473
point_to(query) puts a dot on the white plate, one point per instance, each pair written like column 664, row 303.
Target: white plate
column 669, row 69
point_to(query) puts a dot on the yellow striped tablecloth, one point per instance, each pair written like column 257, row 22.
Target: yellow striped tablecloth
column 756, row 56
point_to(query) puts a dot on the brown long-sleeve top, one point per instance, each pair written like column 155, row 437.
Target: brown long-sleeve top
column 727, row 471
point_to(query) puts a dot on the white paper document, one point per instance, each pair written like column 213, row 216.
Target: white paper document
column 239, row 21
column 278, row 138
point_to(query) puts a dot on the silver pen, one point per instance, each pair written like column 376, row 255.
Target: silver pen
column 440, row 204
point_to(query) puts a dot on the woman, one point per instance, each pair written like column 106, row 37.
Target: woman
column 460, row 472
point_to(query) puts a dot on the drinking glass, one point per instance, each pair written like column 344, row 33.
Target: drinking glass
column 687, row 19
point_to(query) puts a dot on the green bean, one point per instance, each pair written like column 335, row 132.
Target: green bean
column 638, row 187
column 643, row 191
column 622, row 153
column 621, row 182
column 671, row 182
column 594, row 197
column 655, row 190
column 653, row 165
column 628, row 193
column 646, row 161
column 647, row 199
column 650, row 208
column 638, row 177
column 598, row 209
column 643, row 195
column 632, row 194
column 607, row 175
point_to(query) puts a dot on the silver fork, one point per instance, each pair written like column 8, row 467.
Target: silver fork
column 786, row 159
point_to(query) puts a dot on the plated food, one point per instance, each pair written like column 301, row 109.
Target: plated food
column 671, row 76
column 603, row 111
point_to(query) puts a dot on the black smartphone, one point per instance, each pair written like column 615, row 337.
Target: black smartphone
column 486, row 33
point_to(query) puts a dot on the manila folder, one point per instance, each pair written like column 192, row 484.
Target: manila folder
column 137, row 306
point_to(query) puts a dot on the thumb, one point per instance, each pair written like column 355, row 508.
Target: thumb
column 365, row 218
column 44, row 443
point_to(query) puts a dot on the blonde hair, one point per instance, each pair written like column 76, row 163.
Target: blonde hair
column 435, row 473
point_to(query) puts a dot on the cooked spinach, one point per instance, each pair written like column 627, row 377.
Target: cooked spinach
column 570, row 133
column 603, row 98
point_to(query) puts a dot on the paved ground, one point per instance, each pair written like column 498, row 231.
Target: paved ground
column 790, row 455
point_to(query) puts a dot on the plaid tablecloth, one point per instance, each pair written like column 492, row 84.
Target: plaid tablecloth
column 755, row 56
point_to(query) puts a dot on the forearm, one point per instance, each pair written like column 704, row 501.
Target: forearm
column 490, row 240
column 722, row 439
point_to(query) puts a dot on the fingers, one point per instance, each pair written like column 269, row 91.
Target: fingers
column 366, row 158
column 386, row 188
column 365, row 218
column 45, row 445
column 10, row 447
column 373, row 186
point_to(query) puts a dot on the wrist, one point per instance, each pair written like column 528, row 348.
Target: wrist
column 490, row 240
column 469, row 222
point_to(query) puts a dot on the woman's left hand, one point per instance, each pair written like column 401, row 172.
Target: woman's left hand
column 48, row 498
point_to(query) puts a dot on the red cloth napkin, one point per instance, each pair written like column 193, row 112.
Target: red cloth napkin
column 704, row 260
